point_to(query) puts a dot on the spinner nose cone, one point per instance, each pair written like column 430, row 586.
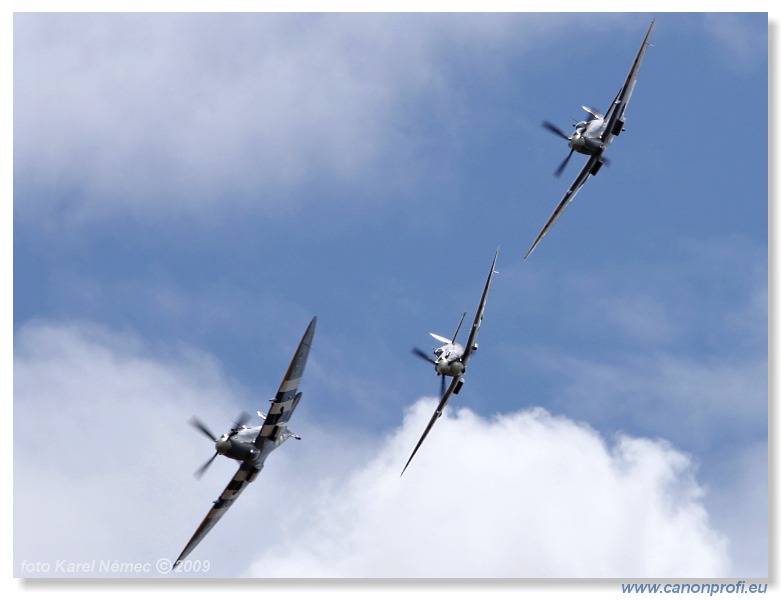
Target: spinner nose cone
column 222, row 445
column 441, row 366
column 577, row 142
column 451, row 369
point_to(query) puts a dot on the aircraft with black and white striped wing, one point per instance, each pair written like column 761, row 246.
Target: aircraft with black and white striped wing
column 252, row 445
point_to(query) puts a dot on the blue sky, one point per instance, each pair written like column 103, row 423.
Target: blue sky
column 189, row 190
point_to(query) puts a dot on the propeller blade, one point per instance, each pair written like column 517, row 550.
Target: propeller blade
column 455, row 335
column 243, row 419
column 199, row 473
column 442, row 387
column 423, row 355
column 553, row 129
column 198, row 424
column 562, row 166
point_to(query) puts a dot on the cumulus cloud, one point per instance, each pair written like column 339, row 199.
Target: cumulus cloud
column 102, row 453
column 103, row 464
column 521, row 495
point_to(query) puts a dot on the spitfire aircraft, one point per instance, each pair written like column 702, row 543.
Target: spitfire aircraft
column 593, row 137
column 451, row 360
column 252, row 445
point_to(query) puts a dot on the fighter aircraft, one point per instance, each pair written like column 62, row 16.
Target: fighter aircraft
column 252, row 445
column 593, row 137
column 451, row 360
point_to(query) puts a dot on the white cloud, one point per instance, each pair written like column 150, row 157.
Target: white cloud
column 521, row 495
column 103, row 460
column 102, row 453
column 179, row 113
column 169, row 114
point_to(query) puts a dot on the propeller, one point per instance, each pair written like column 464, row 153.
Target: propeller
column 243, row 419
column 553, row 129
column 198, row 424
column 560, row 169
column 199, row 473
column 461, row 322
column 427, row 358
column 239, row 423
column 423, row 355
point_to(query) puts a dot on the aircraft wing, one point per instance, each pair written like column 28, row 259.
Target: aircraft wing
column 573, row 189
column 615, row 114
column 287, row 398
column 470, row 342
column 434, row 417
column 244, row 476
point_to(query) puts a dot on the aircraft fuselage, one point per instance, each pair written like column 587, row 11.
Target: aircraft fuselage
column 240, row 446
column 449, row 360
column 453, row 368
column 586, row 139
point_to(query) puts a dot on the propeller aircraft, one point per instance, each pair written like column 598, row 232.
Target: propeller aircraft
column 451, row 360
column 593, row 137
column 252, row 445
